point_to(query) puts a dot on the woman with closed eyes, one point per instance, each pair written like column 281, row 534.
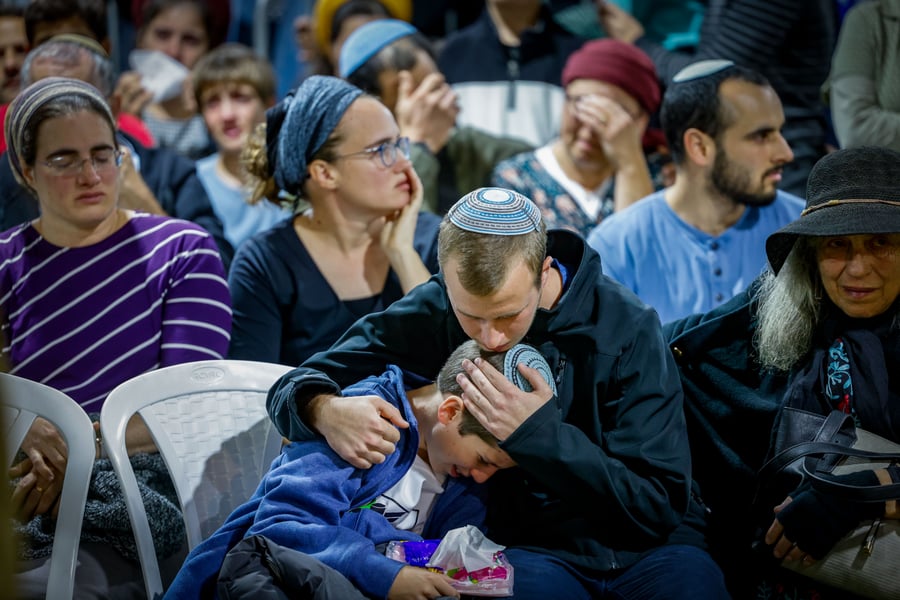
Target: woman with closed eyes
column 92, row 295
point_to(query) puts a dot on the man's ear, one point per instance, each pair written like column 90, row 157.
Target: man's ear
column 699, row 147
column 545, row 269
column 449, row 408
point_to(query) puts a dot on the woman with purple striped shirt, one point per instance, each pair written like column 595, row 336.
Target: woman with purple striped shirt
column 92, row 295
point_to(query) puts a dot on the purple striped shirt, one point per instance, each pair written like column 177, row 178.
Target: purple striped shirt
column 84, row 320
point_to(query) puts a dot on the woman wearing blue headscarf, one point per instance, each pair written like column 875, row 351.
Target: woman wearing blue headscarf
column 358, row 244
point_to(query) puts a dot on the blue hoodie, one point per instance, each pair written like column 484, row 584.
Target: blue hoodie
column 311, row 500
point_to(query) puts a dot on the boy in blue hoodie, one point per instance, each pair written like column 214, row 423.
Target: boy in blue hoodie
column 315, row 503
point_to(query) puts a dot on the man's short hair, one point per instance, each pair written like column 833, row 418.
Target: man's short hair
column 92, row 12
column 489, row 231
column 234, row 63
column 695, row 103
column 485, row 260
column 447, row 384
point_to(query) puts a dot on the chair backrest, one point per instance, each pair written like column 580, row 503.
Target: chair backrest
column 209, row 421
column 24, row 400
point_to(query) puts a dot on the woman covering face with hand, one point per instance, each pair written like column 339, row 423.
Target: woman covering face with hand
column 91, row 296
column 359, row 244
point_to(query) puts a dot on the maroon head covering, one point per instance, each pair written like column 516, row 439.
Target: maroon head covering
column 619, row 64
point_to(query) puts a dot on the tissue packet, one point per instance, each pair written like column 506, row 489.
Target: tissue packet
column 494, row 579
column 162, row 75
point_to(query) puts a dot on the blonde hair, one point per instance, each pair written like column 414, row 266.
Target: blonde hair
column 256, row 163
column 485, row 260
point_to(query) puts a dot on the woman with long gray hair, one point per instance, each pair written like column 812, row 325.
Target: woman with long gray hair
column 820, row 332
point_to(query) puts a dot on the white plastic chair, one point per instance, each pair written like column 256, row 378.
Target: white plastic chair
column 210, row 424
column 23, row 400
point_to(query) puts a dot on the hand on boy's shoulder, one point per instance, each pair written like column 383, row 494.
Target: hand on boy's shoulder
column 361, row 429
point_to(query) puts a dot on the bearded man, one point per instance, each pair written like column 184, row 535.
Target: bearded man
column 694, row 245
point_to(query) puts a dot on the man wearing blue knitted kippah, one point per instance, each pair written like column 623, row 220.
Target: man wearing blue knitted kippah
column 600, row 504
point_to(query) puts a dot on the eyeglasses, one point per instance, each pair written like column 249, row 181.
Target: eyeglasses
column 104, row 161
column 388, row 152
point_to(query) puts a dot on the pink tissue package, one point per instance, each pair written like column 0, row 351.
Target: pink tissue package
column 493, row 580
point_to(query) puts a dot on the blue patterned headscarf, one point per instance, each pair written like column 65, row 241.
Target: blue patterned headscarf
column 298, row 126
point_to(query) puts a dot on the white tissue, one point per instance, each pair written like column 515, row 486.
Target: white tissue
column 160, row 74
column 465, row 547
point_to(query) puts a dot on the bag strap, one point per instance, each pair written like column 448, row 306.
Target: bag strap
column 832, row 485
column 832, row 424
column 812, row 451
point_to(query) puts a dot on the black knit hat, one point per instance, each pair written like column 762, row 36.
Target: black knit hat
column 850, row 192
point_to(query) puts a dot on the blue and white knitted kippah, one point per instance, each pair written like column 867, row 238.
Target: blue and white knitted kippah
column 495, row 211
column 523, row 353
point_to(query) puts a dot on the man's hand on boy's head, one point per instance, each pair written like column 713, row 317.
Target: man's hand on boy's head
column 361, row 429
column 499, row 404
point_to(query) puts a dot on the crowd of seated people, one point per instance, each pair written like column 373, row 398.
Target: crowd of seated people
column 290, row 215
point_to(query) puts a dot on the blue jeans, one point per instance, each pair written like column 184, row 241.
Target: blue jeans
column 667, row 573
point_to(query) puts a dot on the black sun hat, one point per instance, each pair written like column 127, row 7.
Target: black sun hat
column 852, row 191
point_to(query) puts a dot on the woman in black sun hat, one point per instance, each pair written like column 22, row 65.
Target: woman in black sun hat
column 819, row 331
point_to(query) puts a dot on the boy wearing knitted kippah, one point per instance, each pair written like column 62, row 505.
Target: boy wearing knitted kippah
column 312, row 502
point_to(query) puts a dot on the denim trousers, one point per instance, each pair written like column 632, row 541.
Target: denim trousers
column 667, row 573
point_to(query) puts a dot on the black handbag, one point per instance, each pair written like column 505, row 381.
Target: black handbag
column 815, row 448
